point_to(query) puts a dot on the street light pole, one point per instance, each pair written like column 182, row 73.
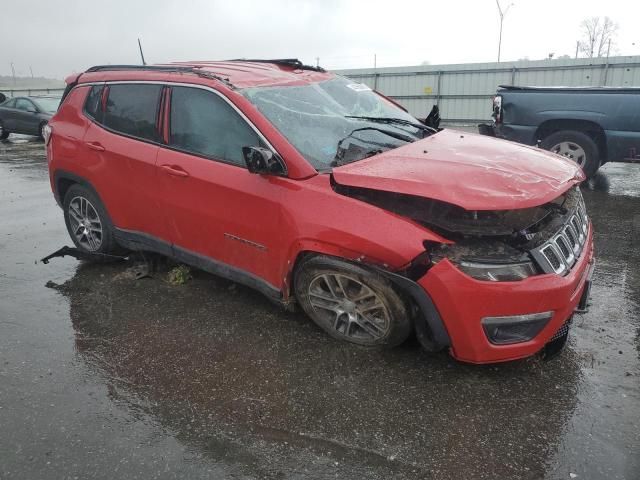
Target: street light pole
column 502, row 15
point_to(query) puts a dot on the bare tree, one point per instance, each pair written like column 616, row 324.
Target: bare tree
column 597, row 36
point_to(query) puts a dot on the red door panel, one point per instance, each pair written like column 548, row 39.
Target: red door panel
column 223, row 212
column 123, row 171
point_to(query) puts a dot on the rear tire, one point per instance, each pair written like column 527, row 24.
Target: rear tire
column 576, row 146
column 88, row 223
column 4, row 134
column 352, row 303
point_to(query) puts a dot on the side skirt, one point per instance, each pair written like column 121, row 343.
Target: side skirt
column 141, row 241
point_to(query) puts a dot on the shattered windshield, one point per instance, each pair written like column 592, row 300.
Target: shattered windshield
column 336, row 121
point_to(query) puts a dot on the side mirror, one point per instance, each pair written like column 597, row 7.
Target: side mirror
column 263, row 161
column 32, row 110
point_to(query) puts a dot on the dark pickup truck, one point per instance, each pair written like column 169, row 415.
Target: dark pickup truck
column 590, row 125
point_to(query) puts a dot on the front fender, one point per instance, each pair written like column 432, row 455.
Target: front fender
column 321, row 221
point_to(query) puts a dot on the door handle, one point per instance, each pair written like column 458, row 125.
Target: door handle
column 95, row 146
column 174, row 170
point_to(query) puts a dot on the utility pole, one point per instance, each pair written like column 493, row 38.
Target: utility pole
column 577, row 47
column 13, row 73
column 502, row 13
column 31, row 70
column 606, row 66
column 375, row 61
column 317, row 62
column 141, row 54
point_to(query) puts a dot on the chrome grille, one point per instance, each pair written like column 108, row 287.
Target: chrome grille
column 562, row 243
column 577, row 225
column 551, row 254
column 572, row 237
column 560, row 253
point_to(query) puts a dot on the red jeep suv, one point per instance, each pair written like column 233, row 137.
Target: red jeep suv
column 319, row 191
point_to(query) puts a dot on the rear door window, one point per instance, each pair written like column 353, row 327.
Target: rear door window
column 204, row 124
column 132, row 109
column 10, row 104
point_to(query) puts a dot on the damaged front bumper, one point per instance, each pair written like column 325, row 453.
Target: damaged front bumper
column 463, row 302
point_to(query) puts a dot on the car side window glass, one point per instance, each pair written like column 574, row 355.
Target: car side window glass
column 11, row 103
column 132, row 109
column 22, row 104
column 92, row 106
column 203, row 123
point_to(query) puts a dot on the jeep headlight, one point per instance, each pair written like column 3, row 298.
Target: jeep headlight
column 498, row 272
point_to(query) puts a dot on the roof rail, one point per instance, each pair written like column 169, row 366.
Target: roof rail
column 288, row 62
column 103, row 68
column 196, row 70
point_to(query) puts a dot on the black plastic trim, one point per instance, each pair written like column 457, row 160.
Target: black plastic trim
column 196, row 70
column 65, row 175
column 157, row 68
column 429, row 326
column 133, row 240
column 137, row 241
column 227, row 271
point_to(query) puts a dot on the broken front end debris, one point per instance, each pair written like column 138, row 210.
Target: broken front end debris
column 510, row 278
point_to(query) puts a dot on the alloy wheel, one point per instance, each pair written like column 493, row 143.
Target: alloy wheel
column 572, row 151
column 348, row 306
column 85, row 223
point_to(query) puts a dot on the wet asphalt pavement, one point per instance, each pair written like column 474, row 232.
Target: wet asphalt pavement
column 106, row 376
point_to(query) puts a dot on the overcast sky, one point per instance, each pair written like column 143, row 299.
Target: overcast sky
column 57, row 37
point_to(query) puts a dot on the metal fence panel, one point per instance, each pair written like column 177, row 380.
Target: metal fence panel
column 463, row 91
column 28, row 92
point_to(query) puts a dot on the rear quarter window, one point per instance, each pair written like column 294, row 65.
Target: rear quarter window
column 132, row 110
column 92, row 105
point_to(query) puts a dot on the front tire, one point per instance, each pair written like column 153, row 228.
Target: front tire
column 576, row 146
column 88, row 223
column 352, row 303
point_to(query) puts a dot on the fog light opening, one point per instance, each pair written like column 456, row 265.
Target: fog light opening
column 515, row 328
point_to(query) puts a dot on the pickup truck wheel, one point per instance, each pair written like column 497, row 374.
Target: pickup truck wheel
column 88, row 223
column 4, row 134
column 352, row 303
column 576, row 146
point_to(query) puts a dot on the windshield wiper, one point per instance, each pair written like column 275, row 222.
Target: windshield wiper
column 392, row 120
column 340, row 152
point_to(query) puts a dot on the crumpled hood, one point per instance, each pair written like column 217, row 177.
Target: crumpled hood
column 472, row 171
